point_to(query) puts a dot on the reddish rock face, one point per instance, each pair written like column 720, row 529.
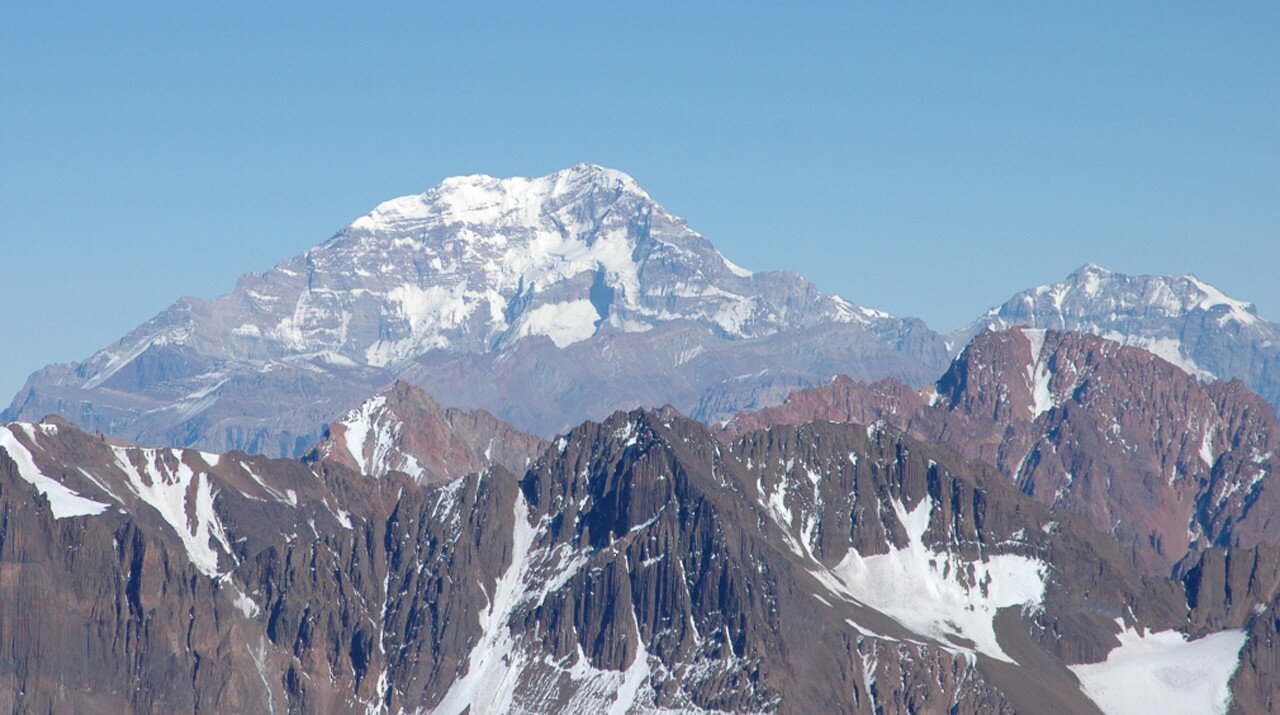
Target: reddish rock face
column 403, row 429
column 1167, row 464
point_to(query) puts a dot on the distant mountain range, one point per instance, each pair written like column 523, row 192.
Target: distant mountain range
column 572, row 294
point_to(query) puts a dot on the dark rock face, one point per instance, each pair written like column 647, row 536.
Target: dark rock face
column 639, row 564
column 544, row 301
column 1167, row 464
column 403, row 429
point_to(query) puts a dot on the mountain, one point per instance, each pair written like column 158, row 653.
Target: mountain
column 1180, row 318
column 1169, row 465
column 638, row 565
column 544, row 301
column 403, row 429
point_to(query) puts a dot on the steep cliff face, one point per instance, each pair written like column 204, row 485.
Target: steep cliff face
column 640, row 564
column 1166, row 463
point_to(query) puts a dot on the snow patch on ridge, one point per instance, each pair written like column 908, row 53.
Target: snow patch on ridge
column 633, row 677
column 173, row 494
column 63, row 502
column 1206, row 447
column 432, row 308
column 920, row 588
column 1238, row 311
column 735, row 269
column 1169, row 349
column 1164, row 673
column 1041, row 396
column 357, row 425
column 1038, row 375
column 1036, row 338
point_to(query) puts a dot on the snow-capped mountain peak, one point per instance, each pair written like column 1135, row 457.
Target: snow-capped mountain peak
column 470, row 268
column 479, row 262
column 1091, row 288
column 1239, row 311
column 488, row 200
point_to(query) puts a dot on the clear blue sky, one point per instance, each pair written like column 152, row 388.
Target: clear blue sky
column 922, row 159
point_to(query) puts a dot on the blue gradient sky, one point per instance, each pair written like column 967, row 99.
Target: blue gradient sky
column 922, row 160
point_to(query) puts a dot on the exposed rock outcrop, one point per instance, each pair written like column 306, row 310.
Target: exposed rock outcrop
column 1168, row 464
column 403, row 429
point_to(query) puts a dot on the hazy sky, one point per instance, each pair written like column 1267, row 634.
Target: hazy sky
column 924, row 160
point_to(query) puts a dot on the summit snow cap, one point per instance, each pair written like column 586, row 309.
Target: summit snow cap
column 484, row 199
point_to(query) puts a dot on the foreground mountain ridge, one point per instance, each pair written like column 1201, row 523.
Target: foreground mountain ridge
column 638, row 565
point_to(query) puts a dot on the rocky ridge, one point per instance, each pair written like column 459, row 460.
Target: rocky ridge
column 639, row 565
